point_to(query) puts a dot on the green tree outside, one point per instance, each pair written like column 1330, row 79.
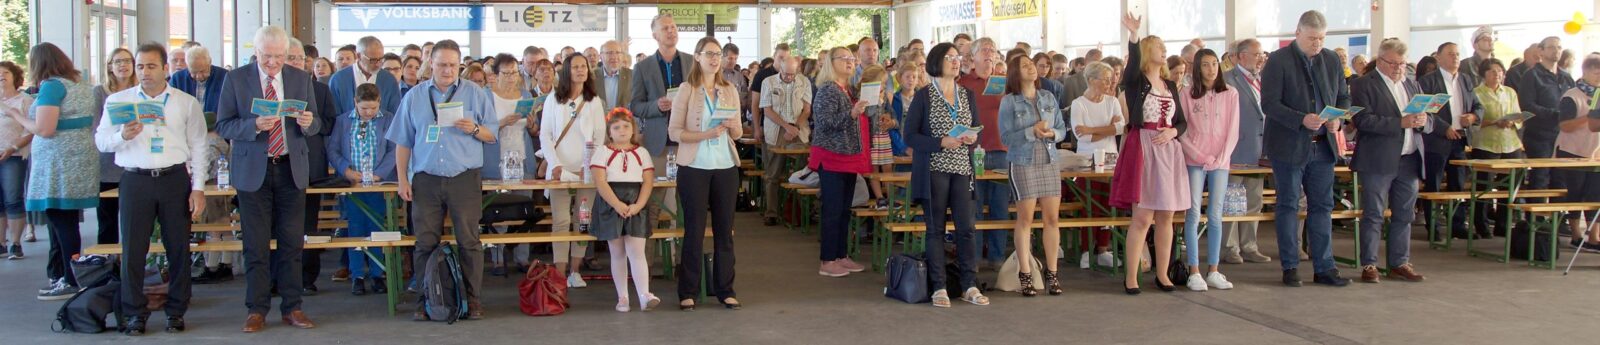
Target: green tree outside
column 822, row 28
column 14, row 31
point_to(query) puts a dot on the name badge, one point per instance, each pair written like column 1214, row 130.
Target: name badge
column 157, row 145
column 433, row 134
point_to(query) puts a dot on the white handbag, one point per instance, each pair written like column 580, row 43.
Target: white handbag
column 1007, row 281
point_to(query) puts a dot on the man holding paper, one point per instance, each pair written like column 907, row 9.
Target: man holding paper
column 439, row 142
column 786, row 106
column 1388, row 160
column 1460, row 111
column 655, row 82
column 157, row 185
column 269, row 168
column 993, row 196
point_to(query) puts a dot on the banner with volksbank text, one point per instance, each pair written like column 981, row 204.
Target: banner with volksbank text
column 410, row 18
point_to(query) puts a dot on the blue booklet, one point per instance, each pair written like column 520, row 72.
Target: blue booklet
column 1331, row 113
column 1426, row 103
column 996, row 86
column 526, row 106
column 267, row 107
column 147, row 112
column 962, row 130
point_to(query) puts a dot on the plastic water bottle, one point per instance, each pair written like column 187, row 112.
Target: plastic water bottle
column 511, row 167
column 588, row 152
column 672, row 166
column 367, row 178
column 583, row 216
column 977, row 161
column 223, row 172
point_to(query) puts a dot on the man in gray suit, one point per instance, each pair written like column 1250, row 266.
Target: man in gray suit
column 270, row 169
column 1388, row 159
column 1239, row 238
column 651, row 103
column 616, row 79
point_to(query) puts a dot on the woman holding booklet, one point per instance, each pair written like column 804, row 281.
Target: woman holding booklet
column 840, row 157
column 942, row 172
column 1495, row 137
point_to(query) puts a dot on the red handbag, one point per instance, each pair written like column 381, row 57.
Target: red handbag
column 543, row 291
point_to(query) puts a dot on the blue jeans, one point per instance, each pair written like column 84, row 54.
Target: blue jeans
column 1314, row 179
column 361, row 225
column 12, row 170
column 994, row 202
column 1201, row 180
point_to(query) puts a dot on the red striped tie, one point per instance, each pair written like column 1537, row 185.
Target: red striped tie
column 275, row 143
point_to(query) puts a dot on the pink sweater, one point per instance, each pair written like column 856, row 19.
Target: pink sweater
column 1213, row 128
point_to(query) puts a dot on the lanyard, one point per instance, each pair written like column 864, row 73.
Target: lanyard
column 435, row 103
column 668, row 69
column 709, row 103
column 156, row 131
column 952, row 107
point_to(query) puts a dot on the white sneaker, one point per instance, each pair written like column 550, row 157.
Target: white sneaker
column 1196, row 283
column 1217, row 281
column 574, row 280
column 1083, row 262
column 1106, row 259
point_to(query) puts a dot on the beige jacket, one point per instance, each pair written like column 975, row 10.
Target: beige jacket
column 688, row 111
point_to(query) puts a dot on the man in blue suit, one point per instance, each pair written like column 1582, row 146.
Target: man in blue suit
column 366, row 70
column 1239, row 238
column 197, row 79
column 270, row 169
column 1389, row 159
column 1297, row 82
column 1446, row 144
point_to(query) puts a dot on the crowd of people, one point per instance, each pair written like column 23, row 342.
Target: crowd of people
column 1181, row 121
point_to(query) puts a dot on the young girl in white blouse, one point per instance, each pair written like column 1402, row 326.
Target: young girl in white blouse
column 623, row 178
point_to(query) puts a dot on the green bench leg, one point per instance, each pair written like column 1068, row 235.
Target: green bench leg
column 394, row 277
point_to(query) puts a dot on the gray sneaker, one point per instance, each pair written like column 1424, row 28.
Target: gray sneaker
column 60, row 292
column 16, row 252
column 50, row 286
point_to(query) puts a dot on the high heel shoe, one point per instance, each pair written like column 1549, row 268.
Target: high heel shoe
column 731, row 303
column 1131, row 291
column 1026, row 281
column 1165, row 287
column 1052, row 283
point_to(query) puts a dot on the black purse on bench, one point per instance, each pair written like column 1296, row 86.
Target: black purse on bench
column 507, row 207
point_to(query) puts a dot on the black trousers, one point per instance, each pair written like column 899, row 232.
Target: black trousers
column 700, row 191
column 273, row 212
column 837, row 191
column 953, row 192
column 1491, row 214
column 148, row 200
column 1539, row 148
column 65, row 242
column 1453, row 178
column 311, row 259
column 106, row 214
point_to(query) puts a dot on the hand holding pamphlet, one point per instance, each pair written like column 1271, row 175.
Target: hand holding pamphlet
column 449, row 113
column 872, row 93
column 996, row 86
column 147, row 112
column 963, row 130
column 267, row 107
column 1330, row 113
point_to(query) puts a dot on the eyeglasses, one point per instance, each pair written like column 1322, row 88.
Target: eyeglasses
column 120, row 62
column 373, row 60
column 845, row 58
column 713, row 54
column 295, row 58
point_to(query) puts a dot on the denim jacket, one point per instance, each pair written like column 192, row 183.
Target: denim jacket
column 1017, row 117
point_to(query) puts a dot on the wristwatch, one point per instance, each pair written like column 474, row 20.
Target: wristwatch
column 475, row 129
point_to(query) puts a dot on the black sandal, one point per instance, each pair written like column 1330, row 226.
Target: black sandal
column 1052, row 283
column 1026, row 280
column 686, row 305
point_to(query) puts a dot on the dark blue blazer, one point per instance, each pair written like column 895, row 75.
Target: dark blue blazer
column 339, row 153
column 344, row 91
column 924, row 141
column 1434, row 83
column 1286, row 97
column 237, row 124
column 213, row 85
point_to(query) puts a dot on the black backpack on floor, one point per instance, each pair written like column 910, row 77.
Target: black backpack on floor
column 1541, row 246
column 444, row 292
column 86, row 311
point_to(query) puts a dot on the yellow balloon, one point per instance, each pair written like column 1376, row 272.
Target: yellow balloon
column 1573, row 27
column 1578, row 17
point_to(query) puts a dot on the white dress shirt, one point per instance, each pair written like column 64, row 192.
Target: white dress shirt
column 362, row 78
column 183, row 133
column 1458, row 98
column 1397, row 89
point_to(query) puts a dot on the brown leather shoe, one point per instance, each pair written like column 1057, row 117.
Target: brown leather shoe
column 1369, row 274
column 254, row 323
column 299, row 320
column 1406, row 272
column 474, row 310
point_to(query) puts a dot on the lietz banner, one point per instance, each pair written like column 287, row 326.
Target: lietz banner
column 410, row 18
column 1012, row 9
column 692, row 18
column 551, row 18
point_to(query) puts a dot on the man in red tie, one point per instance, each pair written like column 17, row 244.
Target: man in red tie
column 270, row 168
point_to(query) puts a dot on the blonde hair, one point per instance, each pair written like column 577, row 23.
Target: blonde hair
column 1152, row 57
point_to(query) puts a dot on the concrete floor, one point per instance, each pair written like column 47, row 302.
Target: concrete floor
column 1465, row 301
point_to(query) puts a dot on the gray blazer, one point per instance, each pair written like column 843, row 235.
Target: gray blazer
column 1251, row 119
column 646, row 88
column 237, row 124
column 1017, row 116
column 1379, row 136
